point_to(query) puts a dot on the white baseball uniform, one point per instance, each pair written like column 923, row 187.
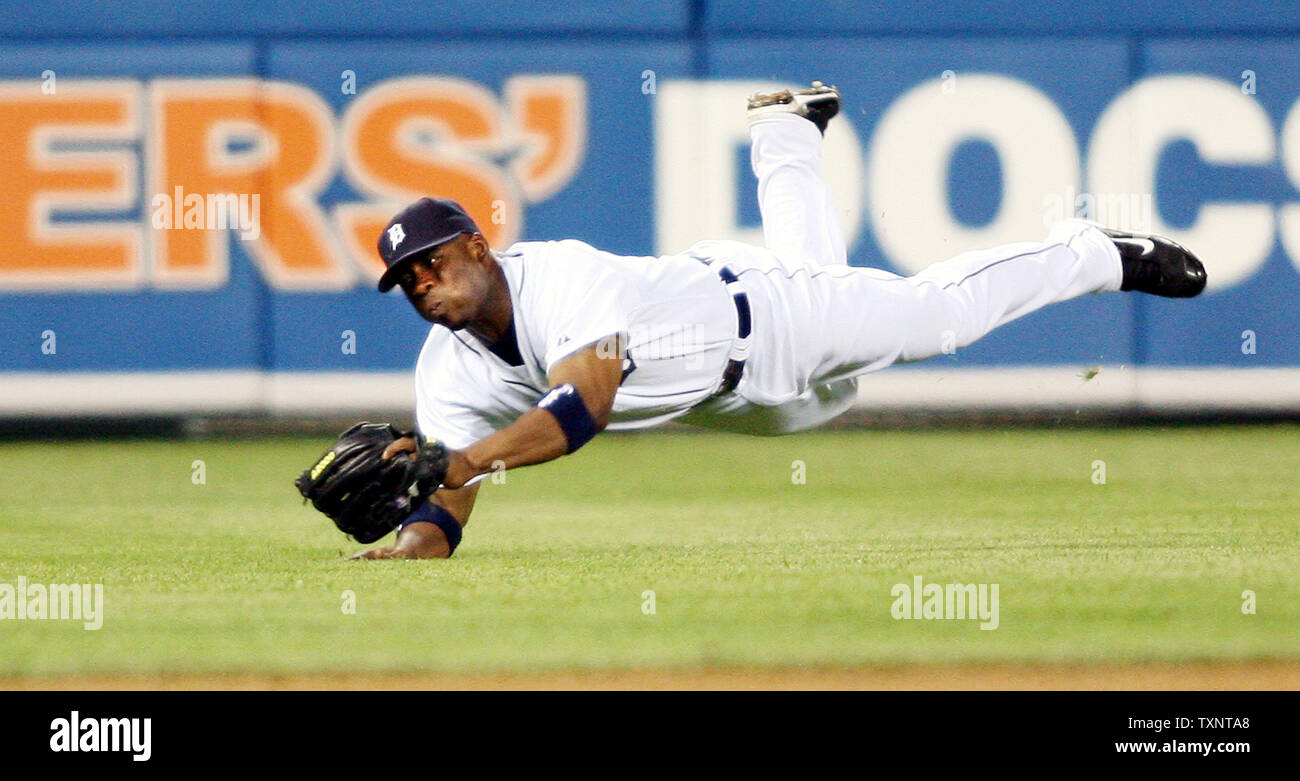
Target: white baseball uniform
column 817, row 323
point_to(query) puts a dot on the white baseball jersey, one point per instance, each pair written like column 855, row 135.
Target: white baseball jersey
column 817, row 323
column 678, row 318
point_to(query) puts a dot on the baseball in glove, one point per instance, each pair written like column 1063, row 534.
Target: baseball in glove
column 366, row 495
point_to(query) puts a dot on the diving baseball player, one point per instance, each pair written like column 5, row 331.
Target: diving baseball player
column 537, row 349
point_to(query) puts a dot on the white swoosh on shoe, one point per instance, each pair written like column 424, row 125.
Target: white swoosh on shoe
column 1148, row 246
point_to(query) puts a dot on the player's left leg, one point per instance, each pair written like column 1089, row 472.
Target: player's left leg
column 799, row 221
column 800, row 225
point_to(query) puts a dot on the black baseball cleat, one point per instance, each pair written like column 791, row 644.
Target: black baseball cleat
column 818, row 104
column 1156, row 265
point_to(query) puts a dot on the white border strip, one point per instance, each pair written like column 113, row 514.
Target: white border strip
column 1058, row 388
column 329, row 393
column 203, row 393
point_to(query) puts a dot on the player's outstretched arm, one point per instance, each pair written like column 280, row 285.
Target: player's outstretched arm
column 583, row 385
column 577, row 407
column 427, row 540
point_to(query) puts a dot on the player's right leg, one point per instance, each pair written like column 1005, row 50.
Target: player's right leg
column 876, row 318
column 799, row 221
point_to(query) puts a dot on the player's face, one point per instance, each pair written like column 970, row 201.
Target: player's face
column 449, row 284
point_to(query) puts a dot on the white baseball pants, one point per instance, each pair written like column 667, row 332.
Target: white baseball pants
column 819, row 323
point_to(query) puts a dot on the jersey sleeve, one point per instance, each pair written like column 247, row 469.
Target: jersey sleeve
column 456, row 427
column 446, row 394
column 585, row 298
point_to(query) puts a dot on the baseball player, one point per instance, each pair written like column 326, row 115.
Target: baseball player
column 537, row 349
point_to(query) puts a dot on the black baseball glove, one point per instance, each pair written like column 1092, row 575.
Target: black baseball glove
column 365, row 495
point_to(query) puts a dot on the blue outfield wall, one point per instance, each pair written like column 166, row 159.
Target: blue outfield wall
column 622, row 125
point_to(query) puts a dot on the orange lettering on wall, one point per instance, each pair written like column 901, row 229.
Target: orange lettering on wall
column 551, row 114
column 270, row 146
column 419, row 136
column 41, row 175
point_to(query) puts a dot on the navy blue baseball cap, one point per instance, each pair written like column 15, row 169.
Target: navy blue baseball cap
column 420, row 227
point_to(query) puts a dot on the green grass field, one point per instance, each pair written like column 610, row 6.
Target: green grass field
column 748, row 569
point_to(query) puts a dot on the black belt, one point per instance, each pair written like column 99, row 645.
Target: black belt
column 744, row 323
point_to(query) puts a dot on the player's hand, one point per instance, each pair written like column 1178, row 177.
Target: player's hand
column 403, row 445
column 458, row 469
column 387, row 552
column 417, row 541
